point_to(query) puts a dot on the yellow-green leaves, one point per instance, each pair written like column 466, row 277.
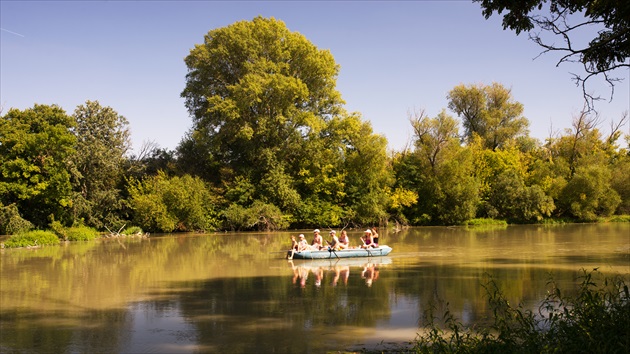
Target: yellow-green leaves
column 265, row 107
column 488, row 112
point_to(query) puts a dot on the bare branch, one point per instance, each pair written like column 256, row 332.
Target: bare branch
column 615, row 129
column 558, row 23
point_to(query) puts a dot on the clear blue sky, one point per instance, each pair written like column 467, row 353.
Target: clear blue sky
column 395, row 57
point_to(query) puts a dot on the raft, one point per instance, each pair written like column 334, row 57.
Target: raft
column 379, row 251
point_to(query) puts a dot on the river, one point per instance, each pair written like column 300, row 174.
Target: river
column 235, row 292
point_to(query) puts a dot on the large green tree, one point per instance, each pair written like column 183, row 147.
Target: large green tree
column 269, row 126
column 561, row 26
column 582, row 160
column 36, row 146
column 102, row 142
column 490, row 112
column 589, row 194
column 255, row 88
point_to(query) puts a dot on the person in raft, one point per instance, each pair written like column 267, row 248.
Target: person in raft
column 367, row 239
column 297, row 246
column 374, row 237
column 294, row 244
column 302, row 244
column 318, row 241
column 334, row 243
column 344, row 241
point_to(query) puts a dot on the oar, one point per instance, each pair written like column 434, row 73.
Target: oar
column 330, row 249
column 368, row 251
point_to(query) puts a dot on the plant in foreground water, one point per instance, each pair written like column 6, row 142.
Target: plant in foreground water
column 595, row 320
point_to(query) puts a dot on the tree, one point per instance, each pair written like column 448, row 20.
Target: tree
column 164, row 204
column 366, row 171
column 269, row 126
column 620, row 182
column 35, row 149
column 582, row 144
column 434, row 136
column 510, row 199
column 489, row 112
column 150, row 159
column 440, row 172
column 567, row 21
column 412, row 174
column 253, row 88
column 457, row 191
column 102, row 137
column 11, row 223
column 589, row 194
column 257, row 94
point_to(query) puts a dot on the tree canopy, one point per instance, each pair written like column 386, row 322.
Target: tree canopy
column 490, row 112
column 269, row 126
column 254, row 88
column 102, row 142
column 36, row 146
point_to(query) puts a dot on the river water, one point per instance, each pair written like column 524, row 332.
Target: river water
column 235, row 292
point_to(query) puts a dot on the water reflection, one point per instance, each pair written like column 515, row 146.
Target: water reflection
column 338, row 270
column 236, row 292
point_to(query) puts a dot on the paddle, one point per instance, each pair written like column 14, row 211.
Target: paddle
column 330, row 249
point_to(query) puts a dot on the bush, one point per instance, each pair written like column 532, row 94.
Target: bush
column 132, row 230
column 595, row 320
column 237, row 218
column 81, row 233
column 484, row 221
column 314, row 212
column 620, row 218
column 32, row 238
column 165, row 204
column 259, row 216
column 11, row 223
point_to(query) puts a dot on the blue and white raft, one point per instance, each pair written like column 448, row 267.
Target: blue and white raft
column 382, row 250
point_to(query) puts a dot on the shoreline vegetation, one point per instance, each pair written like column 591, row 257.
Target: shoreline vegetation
column 38, row 238
column 592, row 319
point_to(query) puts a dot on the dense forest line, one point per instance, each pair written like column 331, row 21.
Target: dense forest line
column 272, row 147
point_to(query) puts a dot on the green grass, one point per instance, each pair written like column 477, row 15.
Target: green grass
column 32, row 239
column 484, row 222
column 81, row 233
column 595, row 320
column 619, row 218
column 132, row 230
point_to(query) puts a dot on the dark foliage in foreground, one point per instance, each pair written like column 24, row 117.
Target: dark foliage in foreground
column 594, row 320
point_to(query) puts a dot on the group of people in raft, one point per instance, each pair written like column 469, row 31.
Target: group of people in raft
column 368, row 240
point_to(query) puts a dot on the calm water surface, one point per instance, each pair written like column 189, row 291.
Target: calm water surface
column 235, row 292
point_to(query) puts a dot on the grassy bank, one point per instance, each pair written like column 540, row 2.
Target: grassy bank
column 34, row 238
column 37, row 238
